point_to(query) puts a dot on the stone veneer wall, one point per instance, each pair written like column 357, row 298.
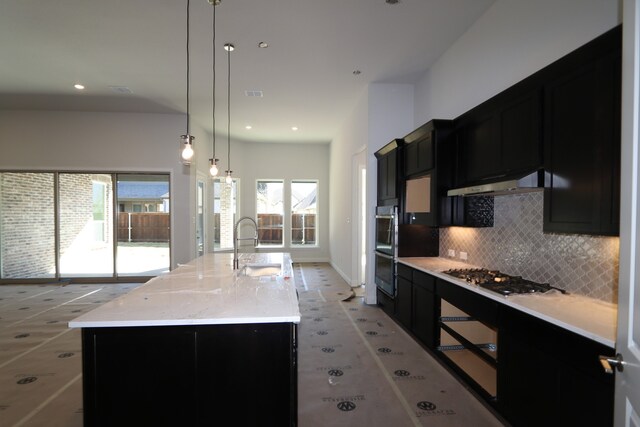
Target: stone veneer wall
column 582, row 264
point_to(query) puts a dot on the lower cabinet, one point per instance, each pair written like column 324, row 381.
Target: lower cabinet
column 550, row 376
column 190, row 375
column 532, row 372
column 415, row 304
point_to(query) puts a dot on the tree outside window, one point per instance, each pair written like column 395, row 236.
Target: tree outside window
column 304, row 210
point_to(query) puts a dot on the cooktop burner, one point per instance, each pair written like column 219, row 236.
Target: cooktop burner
column 501, row 283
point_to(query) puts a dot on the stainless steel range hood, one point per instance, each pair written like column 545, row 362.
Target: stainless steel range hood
column 533, row 181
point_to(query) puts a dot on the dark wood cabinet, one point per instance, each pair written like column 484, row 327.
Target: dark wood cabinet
column 387, row 174
column 550, row 376
column 502, row 136
column 424, row 308
column 582, row 139
column 404, row 300
column 416, row 307
column 189, row 375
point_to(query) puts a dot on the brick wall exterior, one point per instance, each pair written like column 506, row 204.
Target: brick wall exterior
column 27, row 238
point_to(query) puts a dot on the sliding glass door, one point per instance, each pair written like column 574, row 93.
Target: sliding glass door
column 86, row 225
column 63, row 225
column 143, row 225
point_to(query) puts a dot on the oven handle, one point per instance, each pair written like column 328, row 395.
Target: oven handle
column 385, row 216
column 384, row 255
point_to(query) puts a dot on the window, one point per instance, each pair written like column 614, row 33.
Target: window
column 304, row 196
column 224, row 212
column 270, row 212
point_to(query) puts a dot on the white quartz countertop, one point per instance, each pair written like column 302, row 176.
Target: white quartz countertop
column 585, row 316
column 206, row 291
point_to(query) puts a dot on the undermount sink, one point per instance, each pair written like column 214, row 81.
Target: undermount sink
column 258, row 270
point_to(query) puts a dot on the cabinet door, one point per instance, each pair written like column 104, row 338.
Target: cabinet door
column 382, row 179
column 582, row 140
column 387, row 168
column 480, row 147
column 520, row 133
column 571, row 138
column 550, row 376
column 424, row 309
column 391, row 159
column 140, row 376
column 403, row 302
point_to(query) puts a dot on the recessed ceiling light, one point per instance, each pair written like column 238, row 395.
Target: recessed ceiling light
column 392, row 1
column 263, row 45
column 78, row 86
column 248, row 127
column 294, row 128
column 357, row 72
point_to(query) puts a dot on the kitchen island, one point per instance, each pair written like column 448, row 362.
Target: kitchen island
column 198, row 345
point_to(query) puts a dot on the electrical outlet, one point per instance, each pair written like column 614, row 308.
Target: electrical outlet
column 451, row 253
column 463, row 256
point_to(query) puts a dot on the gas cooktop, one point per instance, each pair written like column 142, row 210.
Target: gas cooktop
column 501, row 283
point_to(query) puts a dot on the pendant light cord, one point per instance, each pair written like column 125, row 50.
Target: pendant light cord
column 188, row 71
column 229, row 108
column 213, row 94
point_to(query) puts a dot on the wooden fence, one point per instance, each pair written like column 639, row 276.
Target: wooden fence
column 303, row 230
column 143, row 227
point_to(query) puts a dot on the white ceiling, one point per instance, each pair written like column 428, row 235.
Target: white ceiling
column 306, row 74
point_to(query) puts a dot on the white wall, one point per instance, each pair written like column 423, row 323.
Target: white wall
column 383, row 113
column 351, row 139
column 77, row 141
column 511, row 41
column 253, row 161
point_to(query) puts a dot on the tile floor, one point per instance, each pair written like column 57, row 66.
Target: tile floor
column 356, row 366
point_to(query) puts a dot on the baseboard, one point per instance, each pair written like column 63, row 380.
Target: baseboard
column 341, row 273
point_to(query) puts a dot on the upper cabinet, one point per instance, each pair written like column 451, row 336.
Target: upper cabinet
column 429, row 160
column 387, row 173
column 501, row 136
column 582, row 139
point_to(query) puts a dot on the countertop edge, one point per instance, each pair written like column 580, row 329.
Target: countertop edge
column 503, row 300
column 183, row 322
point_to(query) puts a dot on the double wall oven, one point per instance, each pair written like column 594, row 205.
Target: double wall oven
column 386, row 252
column 394, row 240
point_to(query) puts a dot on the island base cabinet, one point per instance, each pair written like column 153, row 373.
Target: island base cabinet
column 550, row 376
column 190, row 375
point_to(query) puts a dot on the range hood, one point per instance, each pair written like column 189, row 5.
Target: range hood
column 508, row 184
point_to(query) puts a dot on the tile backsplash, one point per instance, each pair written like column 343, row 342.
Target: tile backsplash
column 581, row 264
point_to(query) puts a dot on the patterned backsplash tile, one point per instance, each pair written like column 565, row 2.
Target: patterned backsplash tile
column 585, row 265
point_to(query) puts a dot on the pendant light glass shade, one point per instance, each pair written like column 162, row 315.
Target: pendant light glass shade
column 228, row 179
column 213, row 170
column 186, row 145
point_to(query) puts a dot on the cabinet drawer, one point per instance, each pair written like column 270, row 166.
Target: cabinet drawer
column 424, row 280
column 405, row 272
column 477, row 306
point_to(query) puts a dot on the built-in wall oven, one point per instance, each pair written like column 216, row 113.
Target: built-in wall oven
column 386, row 252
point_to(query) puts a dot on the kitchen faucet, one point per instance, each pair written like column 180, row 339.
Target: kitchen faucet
column 236, row 262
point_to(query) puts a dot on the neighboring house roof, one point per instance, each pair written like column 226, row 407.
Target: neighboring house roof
column 143, row 190
column 308, row 202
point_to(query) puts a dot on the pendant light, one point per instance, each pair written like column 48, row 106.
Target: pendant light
column 186, row 141
column 229, row 48
column 213, row 170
